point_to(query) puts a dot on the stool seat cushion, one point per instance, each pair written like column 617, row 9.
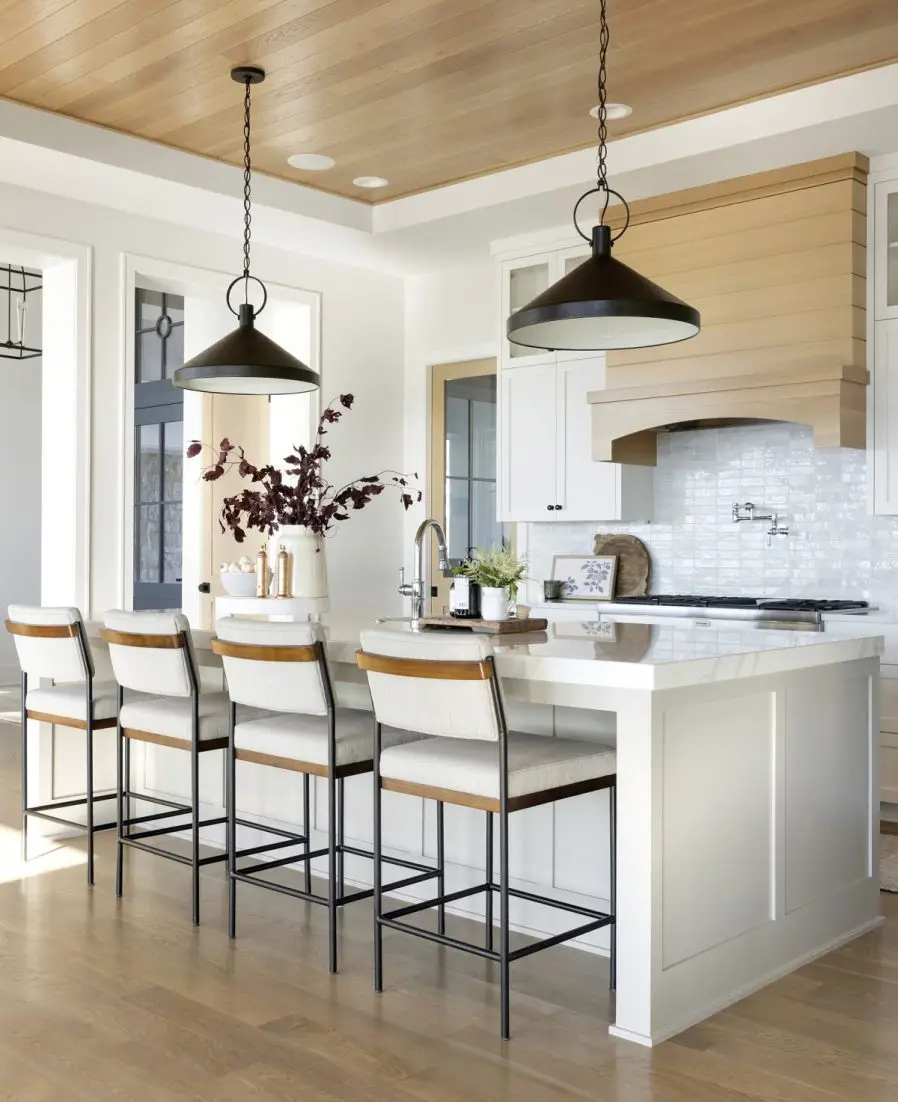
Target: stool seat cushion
column 536, row 763
column 68, row 700
column 172, row 716
column 302, row 737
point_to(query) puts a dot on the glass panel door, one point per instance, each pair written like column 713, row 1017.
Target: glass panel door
column 159, row 450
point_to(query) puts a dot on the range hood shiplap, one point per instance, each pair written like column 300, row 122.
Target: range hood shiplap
column 777, row 265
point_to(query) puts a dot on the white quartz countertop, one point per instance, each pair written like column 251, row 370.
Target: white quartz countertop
column 646, row 656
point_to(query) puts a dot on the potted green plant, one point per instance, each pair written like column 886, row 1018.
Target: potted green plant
column 498, row 572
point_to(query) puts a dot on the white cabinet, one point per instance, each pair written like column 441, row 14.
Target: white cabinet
column 882, row 443
column 546, row 468
column 527, row 443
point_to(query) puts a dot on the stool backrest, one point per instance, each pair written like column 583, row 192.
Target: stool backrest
column 50, row 642
column 277, row 666
column 151, row 652
column 433, row 684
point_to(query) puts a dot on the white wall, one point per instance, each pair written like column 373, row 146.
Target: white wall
column 362, row 352
column 20, row 431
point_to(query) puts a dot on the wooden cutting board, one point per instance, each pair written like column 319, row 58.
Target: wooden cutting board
column 490, row 627
column 634, row 564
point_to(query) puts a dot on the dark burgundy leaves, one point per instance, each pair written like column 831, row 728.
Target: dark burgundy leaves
column 308, row 500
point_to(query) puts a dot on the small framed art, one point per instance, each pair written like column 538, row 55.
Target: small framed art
column 585, row 577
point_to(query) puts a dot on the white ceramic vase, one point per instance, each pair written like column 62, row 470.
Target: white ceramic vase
column 307, row 573
column 494, row 603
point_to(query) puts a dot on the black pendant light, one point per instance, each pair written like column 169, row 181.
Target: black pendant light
column 246, row 361
column 602, row 303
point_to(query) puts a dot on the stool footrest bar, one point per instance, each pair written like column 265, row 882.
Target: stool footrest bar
column 268, row 847
column 418, row 878
column 558, row 939
column 426, row 904
column 59, row 804
column 60, row 821
column 266, row 829
column 440, row 939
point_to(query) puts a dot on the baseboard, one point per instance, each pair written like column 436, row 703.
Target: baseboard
column 749, row 989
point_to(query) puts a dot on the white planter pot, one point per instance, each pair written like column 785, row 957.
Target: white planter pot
column 494, row 604
column 307, row 571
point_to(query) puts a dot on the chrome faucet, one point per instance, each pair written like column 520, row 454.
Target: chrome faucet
column 415, row 589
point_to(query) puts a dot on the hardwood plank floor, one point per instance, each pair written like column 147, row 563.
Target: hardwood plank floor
column 104, row 1000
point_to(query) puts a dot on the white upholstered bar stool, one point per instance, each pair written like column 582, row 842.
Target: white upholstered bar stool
column 51, row 644
column 282, row 668
column 151, row 654
column 447, row 688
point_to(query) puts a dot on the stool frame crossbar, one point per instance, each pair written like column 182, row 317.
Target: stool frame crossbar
column 335, row 775
column 503, row 807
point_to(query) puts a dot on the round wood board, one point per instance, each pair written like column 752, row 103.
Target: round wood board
column 634, row 565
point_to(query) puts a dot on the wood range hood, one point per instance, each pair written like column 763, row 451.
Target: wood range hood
column 776, row 263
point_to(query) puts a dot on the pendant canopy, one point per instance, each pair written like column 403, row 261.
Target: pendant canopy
column 246, row 361
column 603, row 303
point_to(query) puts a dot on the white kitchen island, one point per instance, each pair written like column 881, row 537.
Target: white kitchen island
column 747, row 807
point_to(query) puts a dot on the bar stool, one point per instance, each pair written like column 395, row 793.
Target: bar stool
column 448, row 689
column 51, row 643
column 152, row 655
column 282, row 668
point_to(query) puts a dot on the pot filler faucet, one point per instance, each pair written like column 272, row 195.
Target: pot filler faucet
column 415, row 590
column 748, row 512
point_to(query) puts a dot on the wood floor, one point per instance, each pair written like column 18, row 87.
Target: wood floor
column 127, row 1001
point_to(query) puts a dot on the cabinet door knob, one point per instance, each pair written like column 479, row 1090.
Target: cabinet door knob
column 557, row 506
column 550, row 507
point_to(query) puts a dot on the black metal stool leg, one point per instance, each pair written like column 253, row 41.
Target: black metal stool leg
column 332, row 871
column 378, row 896
column 89, row 738
column 195, row 833
column 489, row 880
column 231, row 811
column 24, row 768
column 612, row 834
column 504, row 977
column 307, row 829
column 441, row 865
column 119, row 799
column 341, row 825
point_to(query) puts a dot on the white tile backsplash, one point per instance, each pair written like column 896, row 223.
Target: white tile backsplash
column 834, row 547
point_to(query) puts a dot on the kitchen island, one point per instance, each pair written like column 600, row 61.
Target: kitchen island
column 747, row 809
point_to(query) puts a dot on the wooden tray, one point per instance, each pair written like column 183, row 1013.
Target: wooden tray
column 634, row 566
column 489, row 627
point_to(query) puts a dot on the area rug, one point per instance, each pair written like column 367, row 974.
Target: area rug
column 888, row 862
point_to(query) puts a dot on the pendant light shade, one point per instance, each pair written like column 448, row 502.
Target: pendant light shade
column 246, row 361
column 603, row 304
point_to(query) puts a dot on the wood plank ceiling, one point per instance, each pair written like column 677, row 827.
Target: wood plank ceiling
column 421, row 92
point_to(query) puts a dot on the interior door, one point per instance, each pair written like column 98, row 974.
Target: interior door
column 463, row 468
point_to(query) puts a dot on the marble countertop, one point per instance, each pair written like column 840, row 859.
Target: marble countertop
column 647, row 656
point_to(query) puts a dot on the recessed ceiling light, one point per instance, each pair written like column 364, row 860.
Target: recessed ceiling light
column 614, row 110
column 370, row 181
column 311, row 162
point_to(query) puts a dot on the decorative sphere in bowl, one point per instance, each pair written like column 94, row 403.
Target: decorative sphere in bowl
column 237, row 583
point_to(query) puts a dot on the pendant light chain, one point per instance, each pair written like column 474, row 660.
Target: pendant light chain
column 247, row 189
column 602, row 154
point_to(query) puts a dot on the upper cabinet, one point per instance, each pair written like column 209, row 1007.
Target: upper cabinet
column 525, row 277
column 882, row 345
column 885, row 249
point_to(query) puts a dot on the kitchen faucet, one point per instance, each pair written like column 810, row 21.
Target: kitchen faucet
column 415, row 589
column 748, row 512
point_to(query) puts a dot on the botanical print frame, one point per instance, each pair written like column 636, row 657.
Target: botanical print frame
column 586, row 577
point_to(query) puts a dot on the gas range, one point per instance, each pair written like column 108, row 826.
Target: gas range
column 765, row 612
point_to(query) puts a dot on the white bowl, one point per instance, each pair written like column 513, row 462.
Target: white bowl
column 238, row 584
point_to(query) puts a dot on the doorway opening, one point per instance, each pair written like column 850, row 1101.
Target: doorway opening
column 463, row 467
